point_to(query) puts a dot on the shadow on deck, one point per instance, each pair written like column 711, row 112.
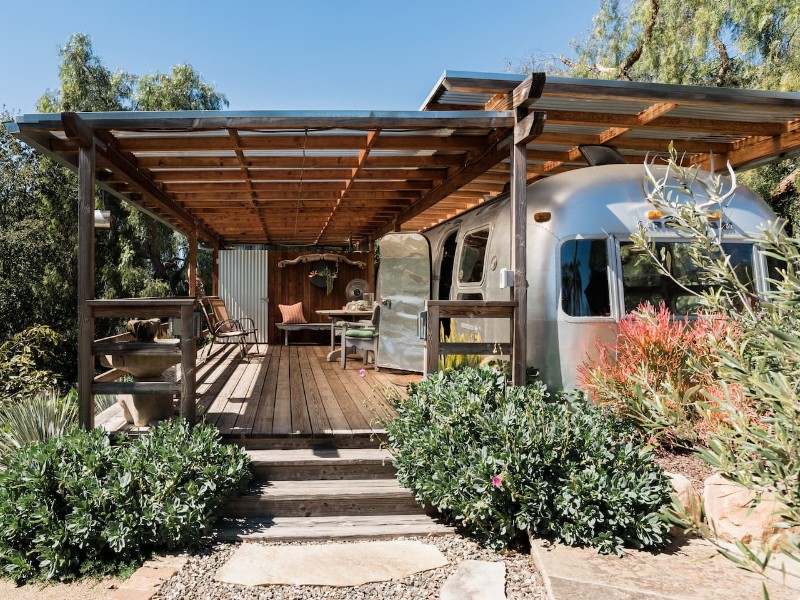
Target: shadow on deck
column 288, row 391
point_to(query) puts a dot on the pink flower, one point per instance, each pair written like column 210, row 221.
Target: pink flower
column 497, row 481
column 362, row 372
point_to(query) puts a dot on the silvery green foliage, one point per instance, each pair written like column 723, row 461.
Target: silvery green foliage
column 80, row 504
column 503, row 461
column 758, row 448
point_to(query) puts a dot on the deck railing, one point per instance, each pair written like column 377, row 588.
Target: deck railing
column 144, row 308
column 467, row 309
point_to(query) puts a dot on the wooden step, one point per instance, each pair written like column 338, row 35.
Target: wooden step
column 286, row 529
column 321, row 498
column 322, row 462
column 366, row 439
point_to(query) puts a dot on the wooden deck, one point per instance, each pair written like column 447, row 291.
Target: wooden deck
column 287, row 391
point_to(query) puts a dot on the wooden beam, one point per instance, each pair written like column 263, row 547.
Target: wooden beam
column 188, row 407
column 354, row 174
column 86, row 166
column 522, row 96
column 752, row 153
column 79, row 132
column 527, row 129
column 493, row 152
column 255, row 175
column 718, row 126
column 215, row 269
column 295, row 142
column 234, row 135
column 529, row 91
column 299, row 120
column 295, row 162
column 193, row 262
column 147, row 187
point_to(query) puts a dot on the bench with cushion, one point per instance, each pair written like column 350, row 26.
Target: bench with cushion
column 295, row 320
column 287, row 327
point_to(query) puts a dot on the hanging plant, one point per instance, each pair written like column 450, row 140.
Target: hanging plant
column 324, row 276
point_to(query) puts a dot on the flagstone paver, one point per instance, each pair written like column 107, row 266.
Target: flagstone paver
column 688, row 569
column 476, row 580
column 329, row 564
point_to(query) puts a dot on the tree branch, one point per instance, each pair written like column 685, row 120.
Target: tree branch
column 785, row 188
column 636, row 54
column 725, row 61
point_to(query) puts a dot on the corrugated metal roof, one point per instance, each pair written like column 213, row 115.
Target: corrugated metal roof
column 320, row 177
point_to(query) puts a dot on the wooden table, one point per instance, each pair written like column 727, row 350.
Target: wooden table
column 341, row 314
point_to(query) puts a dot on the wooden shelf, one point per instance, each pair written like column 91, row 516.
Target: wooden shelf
column 137, row 348
column 136, row 387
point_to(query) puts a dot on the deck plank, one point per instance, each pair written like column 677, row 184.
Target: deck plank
column 245, row 423
column 318, row 418
column 219, row 400
column 282, row 420
column 301, row 423
column 287, row 391
column 266, row 400
column 237, row 402
column 336, row 418
column 355, row 420
column 353, row 382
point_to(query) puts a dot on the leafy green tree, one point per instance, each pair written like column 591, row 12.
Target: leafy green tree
column 738, row 43
column 38, row 216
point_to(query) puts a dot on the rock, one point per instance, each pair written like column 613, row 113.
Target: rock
column 329, row 564
column 476, row 580
column 730, row 512
column 687, row 495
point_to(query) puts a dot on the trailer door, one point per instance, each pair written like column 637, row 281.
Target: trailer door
column 404, row 284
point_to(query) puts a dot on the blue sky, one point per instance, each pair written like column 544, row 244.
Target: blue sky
column 378, row 55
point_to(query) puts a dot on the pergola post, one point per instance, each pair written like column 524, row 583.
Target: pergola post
column 193, row 262
column 527, row 127
column 215, row 269
column 86, row 163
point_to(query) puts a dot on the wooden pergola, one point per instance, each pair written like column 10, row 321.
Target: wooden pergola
column 323, row 178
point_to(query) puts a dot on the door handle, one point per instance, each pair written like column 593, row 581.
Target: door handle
column 387, row 302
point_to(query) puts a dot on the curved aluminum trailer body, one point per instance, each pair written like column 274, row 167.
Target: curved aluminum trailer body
column 583, row 275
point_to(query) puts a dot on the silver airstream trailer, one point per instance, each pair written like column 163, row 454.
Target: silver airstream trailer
column 583, row 272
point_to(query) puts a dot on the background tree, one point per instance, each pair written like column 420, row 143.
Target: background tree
column 137, row 257
column 738, row 43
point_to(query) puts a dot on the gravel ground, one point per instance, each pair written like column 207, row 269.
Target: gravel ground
column 196, row 581
column 685, row 463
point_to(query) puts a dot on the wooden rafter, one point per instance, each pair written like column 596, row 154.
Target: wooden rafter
column 248, row 179
column 255, row 177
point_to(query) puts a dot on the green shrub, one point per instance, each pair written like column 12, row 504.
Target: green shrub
column 22, row 363
column 77, row 504
column 504, row 461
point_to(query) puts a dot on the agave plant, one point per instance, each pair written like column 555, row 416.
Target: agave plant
column 41, row 417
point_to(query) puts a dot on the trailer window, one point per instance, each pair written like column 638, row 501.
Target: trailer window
column 473, row 255
column 584, row 278
column 644, row 282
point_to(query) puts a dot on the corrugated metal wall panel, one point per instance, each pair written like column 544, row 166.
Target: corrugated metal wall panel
column 243, row 284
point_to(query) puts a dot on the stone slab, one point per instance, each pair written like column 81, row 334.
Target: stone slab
column 689, row 569
column 476, row 580
column 339, row 565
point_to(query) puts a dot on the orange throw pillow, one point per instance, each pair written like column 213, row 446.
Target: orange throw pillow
column 292, row 313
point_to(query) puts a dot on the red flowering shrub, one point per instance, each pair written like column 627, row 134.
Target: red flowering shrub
column 661, row 374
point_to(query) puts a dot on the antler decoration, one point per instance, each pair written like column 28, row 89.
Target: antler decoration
column 337, row 258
